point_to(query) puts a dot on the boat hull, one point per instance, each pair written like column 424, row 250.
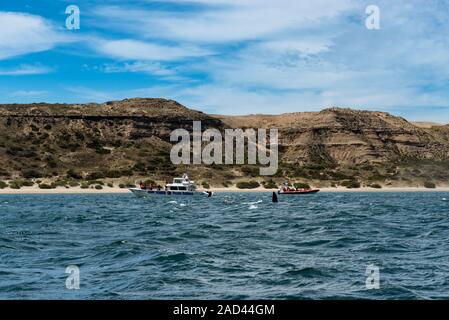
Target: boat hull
column 143, row 193
column 299, row 192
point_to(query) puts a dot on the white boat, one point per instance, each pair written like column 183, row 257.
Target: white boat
column 179, row 187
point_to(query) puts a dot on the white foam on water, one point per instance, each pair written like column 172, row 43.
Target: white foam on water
column 173, row 202
column 251, row 203
column 252, row 207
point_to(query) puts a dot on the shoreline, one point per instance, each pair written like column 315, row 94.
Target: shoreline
column 117, row 190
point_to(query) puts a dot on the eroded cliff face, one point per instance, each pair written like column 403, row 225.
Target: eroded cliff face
column 131, row 137
column 348, row 137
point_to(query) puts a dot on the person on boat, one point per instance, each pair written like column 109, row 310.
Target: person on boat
column 142, row 185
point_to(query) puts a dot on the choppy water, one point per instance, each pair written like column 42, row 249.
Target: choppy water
column 232, row 246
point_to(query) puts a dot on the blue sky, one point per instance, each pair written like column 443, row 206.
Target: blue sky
column 231, row 57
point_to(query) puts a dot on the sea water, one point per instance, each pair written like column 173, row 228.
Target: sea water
column 230, row 246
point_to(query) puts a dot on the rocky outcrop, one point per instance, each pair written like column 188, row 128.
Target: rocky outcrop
column 348, row 137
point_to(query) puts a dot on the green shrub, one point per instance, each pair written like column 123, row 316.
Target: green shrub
column 351, row 184
column 3, row 185
column 205, row 185
column 300, row 185
column 375, row 186
column 98, row 187
column 21, row 183
column 84, row 186
column 110, row 185
column 96, row 175
column 26, row 183
column 251, row 171
column 112, row 174
column 121, row 185
column 248, row 185
column 270, row 184
column 59, row 183
column 226, row 183
column 32, row 173
column 17, row 184
column 126, row 172
column 73, row 184
column 102, row 151
column 14, row 185
column 71, row 173
column 46, row 186
column 4, row 173
column 139, row 166
column 429, row 185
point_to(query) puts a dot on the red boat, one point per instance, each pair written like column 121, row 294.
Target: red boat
column 289, row 190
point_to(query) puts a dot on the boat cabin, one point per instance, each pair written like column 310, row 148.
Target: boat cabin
column 181, row 184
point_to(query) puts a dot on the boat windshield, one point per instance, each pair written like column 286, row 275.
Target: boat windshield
column 177, row 180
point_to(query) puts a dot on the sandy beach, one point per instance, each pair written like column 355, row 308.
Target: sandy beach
column 78, row 190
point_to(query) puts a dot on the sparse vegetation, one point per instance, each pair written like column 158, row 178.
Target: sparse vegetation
column 205, row 185
column 429, row 185
column 301, row 185
column 226, row 184
column 46, row 186
column 248, row 185
column 14, row 185
column 71, row 173
column 17, row 184
column 32, row 173
column 73, row 184
column 269, row 184
column 351, row 184
column 251, row 171
column 3, row 184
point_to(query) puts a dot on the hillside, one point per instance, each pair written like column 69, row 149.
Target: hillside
column 128, row 140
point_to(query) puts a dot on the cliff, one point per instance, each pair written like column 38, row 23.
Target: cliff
column 130, row 138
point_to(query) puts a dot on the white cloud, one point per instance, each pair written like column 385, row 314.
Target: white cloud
column 128, row 49
column 265, row 56
column 26, row 69
column 24, row 33
column 222, row 21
